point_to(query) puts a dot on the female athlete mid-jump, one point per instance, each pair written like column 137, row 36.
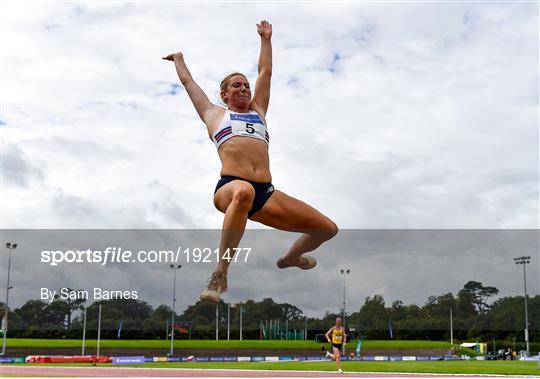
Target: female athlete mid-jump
column 245, row 190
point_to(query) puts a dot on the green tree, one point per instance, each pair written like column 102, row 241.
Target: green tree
column 32, row 312
column 162, row 313
column 290, row 312
column 465, row 304
column 478, row 295
column 55, row 313
column 373, row 316
column 204, row 310
column 71, row 305
column 439, row 306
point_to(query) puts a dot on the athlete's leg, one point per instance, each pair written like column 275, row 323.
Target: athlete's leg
column 235, row 200
column 329, row 354
column 337, row 354
column 287, row 213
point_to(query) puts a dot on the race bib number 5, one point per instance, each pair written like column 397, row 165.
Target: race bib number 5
column 247, row 125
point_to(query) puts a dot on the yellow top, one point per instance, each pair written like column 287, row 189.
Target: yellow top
column 337, row 335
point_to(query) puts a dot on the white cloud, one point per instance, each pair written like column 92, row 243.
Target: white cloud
column 429, row 91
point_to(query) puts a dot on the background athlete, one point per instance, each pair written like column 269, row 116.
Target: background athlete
column 337, row 338
column 245, row 189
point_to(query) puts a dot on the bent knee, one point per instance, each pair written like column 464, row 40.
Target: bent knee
column 331, row 229
column 327, row 230
column 243, row 195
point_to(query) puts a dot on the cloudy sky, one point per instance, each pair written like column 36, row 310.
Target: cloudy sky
column 382, row 115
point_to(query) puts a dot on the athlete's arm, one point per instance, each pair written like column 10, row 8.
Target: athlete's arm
column 328, row 333
column 261, row 98
column 203, row 106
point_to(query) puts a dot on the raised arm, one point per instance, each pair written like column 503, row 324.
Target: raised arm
column 261, row 97
column 203, row 106
column 328, row 333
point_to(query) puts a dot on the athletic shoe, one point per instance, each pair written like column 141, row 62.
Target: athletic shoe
column 328, row 354
column 217, row 284
column 305, row 262
column 340, row 371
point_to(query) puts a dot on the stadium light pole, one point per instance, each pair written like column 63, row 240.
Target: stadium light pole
column 174, row 268
column 217, row 322
column 451, row 328
column 10, row 246
column 344, row 272
column 98, row 332
column 523, row 261
column 84, row 332
column 241, row 311
column 228, row 321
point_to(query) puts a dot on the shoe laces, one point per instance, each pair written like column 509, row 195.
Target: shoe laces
column 215, row 278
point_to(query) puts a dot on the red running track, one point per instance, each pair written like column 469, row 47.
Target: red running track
column 131, row 372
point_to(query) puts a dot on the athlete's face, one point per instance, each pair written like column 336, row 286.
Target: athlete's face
column 238, row 92
column 338, row 321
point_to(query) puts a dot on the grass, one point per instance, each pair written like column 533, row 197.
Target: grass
column 438, row 367
column 212, row 344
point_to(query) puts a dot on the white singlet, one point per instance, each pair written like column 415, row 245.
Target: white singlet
column 240, row 124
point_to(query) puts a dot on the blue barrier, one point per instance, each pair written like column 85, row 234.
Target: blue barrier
column 128, row 360
column 142, row 359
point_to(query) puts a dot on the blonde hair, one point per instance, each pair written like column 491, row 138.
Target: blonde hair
column 225, row 83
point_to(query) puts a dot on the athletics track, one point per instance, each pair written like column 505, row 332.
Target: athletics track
column 122, row 372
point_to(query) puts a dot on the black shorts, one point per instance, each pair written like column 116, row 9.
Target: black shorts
column 338, row 345
column 263, row 191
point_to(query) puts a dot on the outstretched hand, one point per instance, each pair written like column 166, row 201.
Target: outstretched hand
column 264, row 29
column 170, row 57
